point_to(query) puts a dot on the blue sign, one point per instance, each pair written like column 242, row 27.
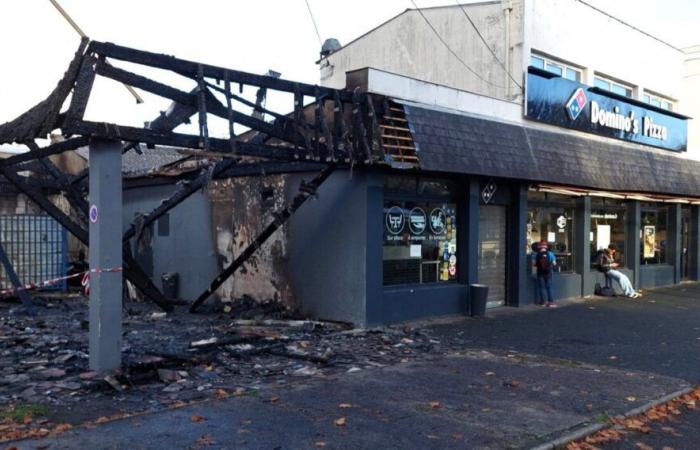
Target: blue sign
column 570, row 104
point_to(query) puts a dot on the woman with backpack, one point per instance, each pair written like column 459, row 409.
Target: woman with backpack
column 544, row 262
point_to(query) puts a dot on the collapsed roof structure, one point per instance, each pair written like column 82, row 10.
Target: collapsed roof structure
column 337, row 128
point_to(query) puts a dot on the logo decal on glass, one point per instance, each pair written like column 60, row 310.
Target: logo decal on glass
column 417, row 221
column 438, row 220
column 576, row 103
column 395, row 220
column 488, row 192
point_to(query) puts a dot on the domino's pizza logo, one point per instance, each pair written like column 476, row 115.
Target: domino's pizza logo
column 576, row 103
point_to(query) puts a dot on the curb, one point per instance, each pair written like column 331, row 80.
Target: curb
column 587, row 430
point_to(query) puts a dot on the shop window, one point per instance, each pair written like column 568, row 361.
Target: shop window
column 653, row 236
column 420, row 231
column 607, row 227
column 551, row 218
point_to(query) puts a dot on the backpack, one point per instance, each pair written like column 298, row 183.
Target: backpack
column 543, row 264
column 603, row 291
column 602, row 262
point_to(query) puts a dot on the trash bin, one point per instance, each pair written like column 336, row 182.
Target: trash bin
column 478, row 294
column 170, row 282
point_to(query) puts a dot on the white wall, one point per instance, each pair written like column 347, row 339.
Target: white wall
column 601, row 43
column 407, row 46
column 690, row 102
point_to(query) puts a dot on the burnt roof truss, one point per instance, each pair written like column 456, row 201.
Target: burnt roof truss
column 321, row 129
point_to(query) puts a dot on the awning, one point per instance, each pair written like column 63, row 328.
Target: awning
column 459, row 143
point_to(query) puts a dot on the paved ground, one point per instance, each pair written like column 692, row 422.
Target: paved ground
column 659, row 333
column 524, row 377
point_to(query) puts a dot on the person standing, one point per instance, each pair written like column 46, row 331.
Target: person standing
column 607, row 265
column 545, row 262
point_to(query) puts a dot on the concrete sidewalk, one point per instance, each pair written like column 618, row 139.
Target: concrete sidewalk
column 520, row 379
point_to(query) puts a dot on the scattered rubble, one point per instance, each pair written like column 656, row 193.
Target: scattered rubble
column 173, row 359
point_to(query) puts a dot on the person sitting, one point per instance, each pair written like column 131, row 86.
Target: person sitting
column 607, row 265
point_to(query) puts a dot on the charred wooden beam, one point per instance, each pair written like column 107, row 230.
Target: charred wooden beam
column 112, row 131
column 53, row 149
column 134, row 273
column 202, row 109
column 189, row 69
column 360, row 132
column 306, row 190
column 82, row 88
column 191, row 100
column 24, row 297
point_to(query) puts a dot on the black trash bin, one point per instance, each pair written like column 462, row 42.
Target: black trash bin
column 478, row 293
column 170, row 282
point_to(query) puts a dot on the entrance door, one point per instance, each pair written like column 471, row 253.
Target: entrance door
column 492, row 252
column 685, row 241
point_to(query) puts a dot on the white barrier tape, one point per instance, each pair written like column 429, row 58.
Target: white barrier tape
column 85, row 281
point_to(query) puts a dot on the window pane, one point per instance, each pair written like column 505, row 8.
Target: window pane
column 607, row 227
column 646, row 98
column 537, row 62
column 573, row 74
column 653, row 240
column 553, row 224
column 555, row 68
column 600, row 83
column 655, row 102
column 666, row 105
column 420, row 242
column 621, row 90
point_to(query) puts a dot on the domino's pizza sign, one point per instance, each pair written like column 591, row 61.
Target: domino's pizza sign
column 570, row 104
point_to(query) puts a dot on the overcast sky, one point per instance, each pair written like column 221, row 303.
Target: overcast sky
column 36, row 44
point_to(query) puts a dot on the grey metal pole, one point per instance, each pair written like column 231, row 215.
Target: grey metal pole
column 105, row 253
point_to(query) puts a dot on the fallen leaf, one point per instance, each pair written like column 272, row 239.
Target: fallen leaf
column 319, row 444
column 102, row 419
column 631, row 398
column 221, row 393
column 345, row 405
column 62, row 428
column 340, row 422
column 196, row 418
column 274, row 399
column 457, row 436
column 643, row 446
column 435, row 405
column 205, row 439
column 488, row 374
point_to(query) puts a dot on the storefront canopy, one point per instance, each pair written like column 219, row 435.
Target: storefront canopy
column 459, row 143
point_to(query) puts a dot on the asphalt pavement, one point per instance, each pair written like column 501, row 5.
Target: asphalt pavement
column 520, row 378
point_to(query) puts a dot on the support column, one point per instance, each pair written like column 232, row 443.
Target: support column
column 517, row 257
column 674, row 240
column 105, row 253
column 694, row 244
column 582, row 242
column 468, row 225
column 632, row 248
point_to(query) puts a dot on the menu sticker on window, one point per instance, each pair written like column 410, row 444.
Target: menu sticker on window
column 395, row 220
column 417, row 221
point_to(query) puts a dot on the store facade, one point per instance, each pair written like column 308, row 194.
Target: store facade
column 484, row 191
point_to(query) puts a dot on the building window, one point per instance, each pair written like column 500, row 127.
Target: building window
column 607, row 227
column 556, row 67
column 612, row 86
column 551, row 218
column 653, row 235
column 657, row 101
column 420, row 231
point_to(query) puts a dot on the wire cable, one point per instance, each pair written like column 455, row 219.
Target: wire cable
column 487, row 45
column 320, row 41
column 437, row 34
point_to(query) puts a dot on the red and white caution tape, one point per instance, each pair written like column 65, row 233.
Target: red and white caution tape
column 85, row 281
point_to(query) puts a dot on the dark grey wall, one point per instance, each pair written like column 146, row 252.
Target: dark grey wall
column 564, row 285
column 655, row 275
column 328, row 248
column 189, row 248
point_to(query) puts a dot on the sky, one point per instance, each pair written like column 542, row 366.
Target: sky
column 36, row 44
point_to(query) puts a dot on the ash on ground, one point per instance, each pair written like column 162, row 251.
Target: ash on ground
column 175, row 358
